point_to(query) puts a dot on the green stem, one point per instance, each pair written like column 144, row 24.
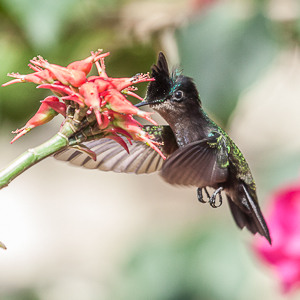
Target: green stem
column 30, row 158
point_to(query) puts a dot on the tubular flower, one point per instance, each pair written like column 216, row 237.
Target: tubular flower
column 128, row 123
column 93, row 106
column 284, row 222
column 123, row 83
column 49, row 108
column 92, row 98
column 39, row 77
column 54, row 103
column 86, row 65
column 57, row 89
column 64, row 75
column 117, row 102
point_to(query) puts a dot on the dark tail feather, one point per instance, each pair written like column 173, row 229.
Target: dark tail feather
column 253, row 220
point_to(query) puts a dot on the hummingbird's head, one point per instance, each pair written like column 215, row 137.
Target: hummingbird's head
column 170, row 93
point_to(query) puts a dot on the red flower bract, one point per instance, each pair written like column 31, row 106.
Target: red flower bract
column 49, row 108
column 39, row 77
column 86, row 65
column 92, row 98
column 94, row 107
column 66, row 76
column 284, row 223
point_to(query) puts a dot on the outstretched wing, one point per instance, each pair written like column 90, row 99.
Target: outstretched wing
column 111, row 156
column 201, row 163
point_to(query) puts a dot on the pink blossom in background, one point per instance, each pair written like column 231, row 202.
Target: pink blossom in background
column 284, row 223
column 201, row 5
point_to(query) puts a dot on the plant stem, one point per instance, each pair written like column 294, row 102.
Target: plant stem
column 30, row 158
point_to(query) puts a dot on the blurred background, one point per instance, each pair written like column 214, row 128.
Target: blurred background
column 79, row 234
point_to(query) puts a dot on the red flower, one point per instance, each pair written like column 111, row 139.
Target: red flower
column 54, row 103
column 49, row 108
column 117, row 102
column 58, row 89
column 122, row 83
column 64, row 75
column 94, row 107
column 86, row 65
column 284, row 223
column 91, row 95
column 39, row 77
column 101, row 84
column 128, row 123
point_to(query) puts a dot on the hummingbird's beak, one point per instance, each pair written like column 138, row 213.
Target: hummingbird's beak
column 145, row 102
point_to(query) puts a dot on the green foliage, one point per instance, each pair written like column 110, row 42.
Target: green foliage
column 225, row 54
column 195, row 264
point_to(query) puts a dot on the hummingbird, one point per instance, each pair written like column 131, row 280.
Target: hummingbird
column 198, row 152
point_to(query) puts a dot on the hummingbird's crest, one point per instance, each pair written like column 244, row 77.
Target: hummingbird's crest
column 166, row 84
column 161, row 87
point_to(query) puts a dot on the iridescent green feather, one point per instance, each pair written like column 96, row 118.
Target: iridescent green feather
column 235, row 155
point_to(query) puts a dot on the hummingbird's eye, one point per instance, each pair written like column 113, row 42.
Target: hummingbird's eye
column 178, row 96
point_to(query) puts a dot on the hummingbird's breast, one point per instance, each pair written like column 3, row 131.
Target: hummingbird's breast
column 190, row 128
column 188, row 122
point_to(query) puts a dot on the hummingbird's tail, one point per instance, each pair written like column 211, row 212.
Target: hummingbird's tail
column 251, row 217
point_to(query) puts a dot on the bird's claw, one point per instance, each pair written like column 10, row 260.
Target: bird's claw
column 212, row 199
column 200, row 195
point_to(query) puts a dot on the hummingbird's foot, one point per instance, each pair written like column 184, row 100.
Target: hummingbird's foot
column 212, row 199
column 200, row 195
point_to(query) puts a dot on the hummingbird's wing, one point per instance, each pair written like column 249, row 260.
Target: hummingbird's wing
column 111, row 156
column 201, row 163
